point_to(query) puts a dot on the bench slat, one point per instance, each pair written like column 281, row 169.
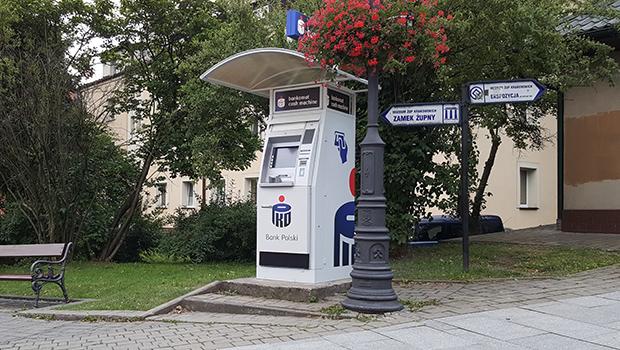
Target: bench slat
column 32, row 250
column 15, row 277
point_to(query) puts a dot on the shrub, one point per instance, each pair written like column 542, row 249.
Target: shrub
column 143, row 233
column 143, row 236
column 14, row 226
column 218, row 232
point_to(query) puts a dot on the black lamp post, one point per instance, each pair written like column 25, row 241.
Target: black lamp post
column 372, row 290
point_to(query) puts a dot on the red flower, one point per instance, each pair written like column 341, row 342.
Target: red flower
column 359, row 38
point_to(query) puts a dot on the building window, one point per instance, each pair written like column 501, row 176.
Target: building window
column 528, row 187
column 161, row 199
column 189, row 196
column 255, row 128
column 252, row 185
column 134, row 123
column 218, row 194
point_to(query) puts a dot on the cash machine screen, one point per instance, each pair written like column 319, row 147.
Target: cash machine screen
column 284, row 157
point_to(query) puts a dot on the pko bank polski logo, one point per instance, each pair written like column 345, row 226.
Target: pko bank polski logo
column 281, row 213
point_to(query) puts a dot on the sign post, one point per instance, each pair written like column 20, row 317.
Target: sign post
column 487, row 93
column 465, row 143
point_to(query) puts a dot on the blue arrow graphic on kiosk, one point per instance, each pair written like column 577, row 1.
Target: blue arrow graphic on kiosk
column 341, row 143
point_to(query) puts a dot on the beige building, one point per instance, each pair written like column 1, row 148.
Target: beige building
column 523, row 183
column 168, row 194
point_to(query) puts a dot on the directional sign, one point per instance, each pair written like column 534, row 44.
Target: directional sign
column 423, row 114
column 511, row 91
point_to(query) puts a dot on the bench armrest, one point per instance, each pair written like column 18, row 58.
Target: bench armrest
column 36, row 269
column 44, row 262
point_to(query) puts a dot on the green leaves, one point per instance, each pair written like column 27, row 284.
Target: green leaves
column 162, row 47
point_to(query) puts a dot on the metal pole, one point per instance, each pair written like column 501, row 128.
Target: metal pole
column 371, row 290
column 465, row 141
column 560, row 155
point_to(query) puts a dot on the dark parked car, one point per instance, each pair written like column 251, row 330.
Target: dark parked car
column 440, row 227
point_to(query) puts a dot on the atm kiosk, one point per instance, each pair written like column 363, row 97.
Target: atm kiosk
column 306, row 188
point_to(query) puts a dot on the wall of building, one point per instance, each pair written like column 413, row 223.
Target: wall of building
column 592, row 158
column 505, row 180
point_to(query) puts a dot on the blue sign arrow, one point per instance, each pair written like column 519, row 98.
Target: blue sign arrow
column 423, row 114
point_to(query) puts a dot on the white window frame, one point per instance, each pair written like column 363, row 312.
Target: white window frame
column 248, row 187
column 533, row 186
column 158, row 203
column 134, row 124
column 185, row 198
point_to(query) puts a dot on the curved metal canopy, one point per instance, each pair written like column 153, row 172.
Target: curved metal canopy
column 259, row 70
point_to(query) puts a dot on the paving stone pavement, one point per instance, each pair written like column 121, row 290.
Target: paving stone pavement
column 550, row 235
column 591, row 322
column 581, row 311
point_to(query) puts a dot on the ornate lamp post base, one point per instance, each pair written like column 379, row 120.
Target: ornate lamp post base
column 371, row 290
column 371, row 300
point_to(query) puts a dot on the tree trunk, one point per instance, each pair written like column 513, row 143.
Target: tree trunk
column 125, row 214
column 496, row 141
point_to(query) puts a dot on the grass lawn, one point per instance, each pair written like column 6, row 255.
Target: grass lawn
column 142, row 286
column 133, row 286
column 497, row 260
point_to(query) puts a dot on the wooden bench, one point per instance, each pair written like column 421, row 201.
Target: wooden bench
column 41, row 271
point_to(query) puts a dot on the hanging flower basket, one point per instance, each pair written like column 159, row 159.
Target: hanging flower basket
column 388, row 36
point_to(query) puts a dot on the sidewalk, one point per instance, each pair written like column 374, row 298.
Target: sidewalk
column 508, row 314
column 591, row 322
column 550, row 235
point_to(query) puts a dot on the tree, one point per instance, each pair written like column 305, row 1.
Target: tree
column 405, row 41
column 59, row 170
column 188, row 127
column 502, row 40
column 224, row 122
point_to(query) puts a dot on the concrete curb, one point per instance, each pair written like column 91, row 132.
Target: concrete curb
column 297, row 292
column 169, row 306
column 95, row 315
column 52, row 313
column 195, row 304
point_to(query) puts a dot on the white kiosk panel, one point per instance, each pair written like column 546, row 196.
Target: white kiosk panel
column 306, row 190
column 305, row 197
